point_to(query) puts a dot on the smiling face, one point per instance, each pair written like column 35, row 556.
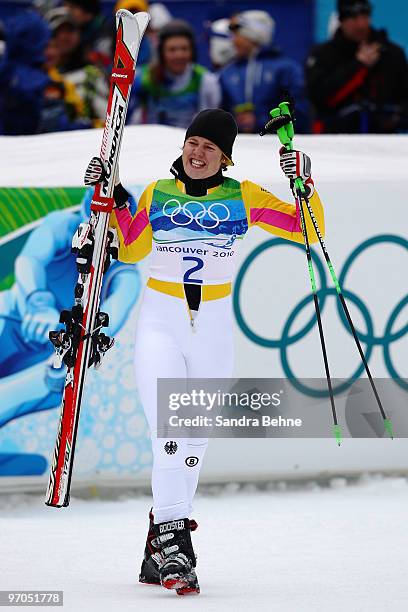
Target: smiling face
column 177, row 54
column 201, row 157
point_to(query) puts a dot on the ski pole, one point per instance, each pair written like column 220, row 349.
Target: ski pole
column 281, row 122
column 387, row 421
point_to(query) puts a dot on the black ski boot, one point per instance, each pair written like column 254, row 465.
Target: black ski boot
column 152, row 558
column 178, row 561
column 149, row 572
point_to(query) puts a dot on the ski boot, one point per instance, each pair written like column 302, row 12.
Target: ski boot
column 149, row 572
column 152, row 559
column 178, row 561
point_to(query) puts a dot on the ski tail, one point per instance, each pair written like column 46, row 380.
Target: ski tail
column 83, row 344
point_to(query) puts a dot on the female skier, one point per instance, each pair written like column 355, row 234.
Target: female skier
column 193, row 224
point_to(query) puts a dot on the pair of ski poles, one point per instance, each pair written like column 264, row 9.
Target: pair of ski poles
column 281, row 122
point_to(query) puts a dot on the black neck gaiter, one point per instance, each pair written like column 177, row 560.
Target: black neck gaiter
column 195, row 187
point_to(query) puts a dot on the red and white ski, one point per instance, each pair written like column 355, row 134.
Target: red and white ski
column 82, row 343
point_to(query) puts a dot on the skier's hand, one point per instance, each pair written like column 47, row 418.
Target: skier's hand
column 40, row 317
column 96, row 173
column 296, row 164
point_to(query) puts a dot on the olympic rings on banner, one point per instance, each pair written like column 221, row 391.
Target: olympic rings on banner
column 387, row 355
column 283, row 348
column 388, row 239
column 266, row 342
column 185, row 212
column 367, row 337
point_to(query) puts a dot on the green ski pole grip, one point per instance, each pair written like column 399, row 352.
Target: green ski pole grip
column 286, row 134
column 290, row 130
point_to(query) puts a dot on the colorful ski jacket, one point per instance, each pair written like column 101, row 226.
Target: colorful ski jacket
column 197, row 239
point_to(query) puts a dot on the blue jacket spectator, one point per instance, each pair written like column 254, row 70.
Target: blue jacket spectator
column 255, row 81
column 22, row 76
column 34, row 97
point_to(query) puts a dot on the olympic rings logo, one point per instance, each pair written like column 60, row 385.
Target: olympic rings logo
column 188, row 216
column 368, row 337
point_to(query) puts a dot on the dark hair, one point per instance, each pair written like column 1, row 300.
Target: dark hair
column 352, row 8
column 176, row 27
column 90, row 6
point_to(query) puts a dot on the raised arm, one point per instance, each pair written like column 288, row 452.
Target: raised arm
column 277, row 217
column 135, row 233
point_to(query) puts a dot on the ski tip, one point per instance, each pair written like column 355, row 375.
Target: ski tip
column 139, row 14
column 143, row 21
column 124, row 13
column 140, row 17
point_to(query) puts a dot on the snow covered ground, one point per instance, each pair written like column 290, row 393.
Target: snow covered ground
column 338, row 548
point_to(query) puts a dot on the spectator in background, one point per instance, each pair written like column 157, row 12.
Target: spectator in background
column 96, row 31
column 62, row 109
column 221, row 46
column 174, row 88
column 256, row 80
column 89, row 80
column 23, row 77
column 34, row 96
column 358, row 81
column 67, row 36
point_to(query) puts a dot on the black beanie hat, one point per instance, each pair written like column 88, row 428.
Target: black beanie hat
column 91, row 6
column 216, row 125
column 176, row 27
column 351, row 8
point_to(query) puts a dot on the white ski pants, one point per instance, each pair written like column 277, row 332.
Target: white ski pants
column 168, row 346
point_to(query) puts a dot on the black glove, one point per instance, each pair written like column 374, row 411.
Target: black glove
column 96, row 173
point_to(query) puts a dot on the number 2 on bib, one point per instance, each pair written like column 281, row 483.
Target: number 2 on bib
column 187, row 275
